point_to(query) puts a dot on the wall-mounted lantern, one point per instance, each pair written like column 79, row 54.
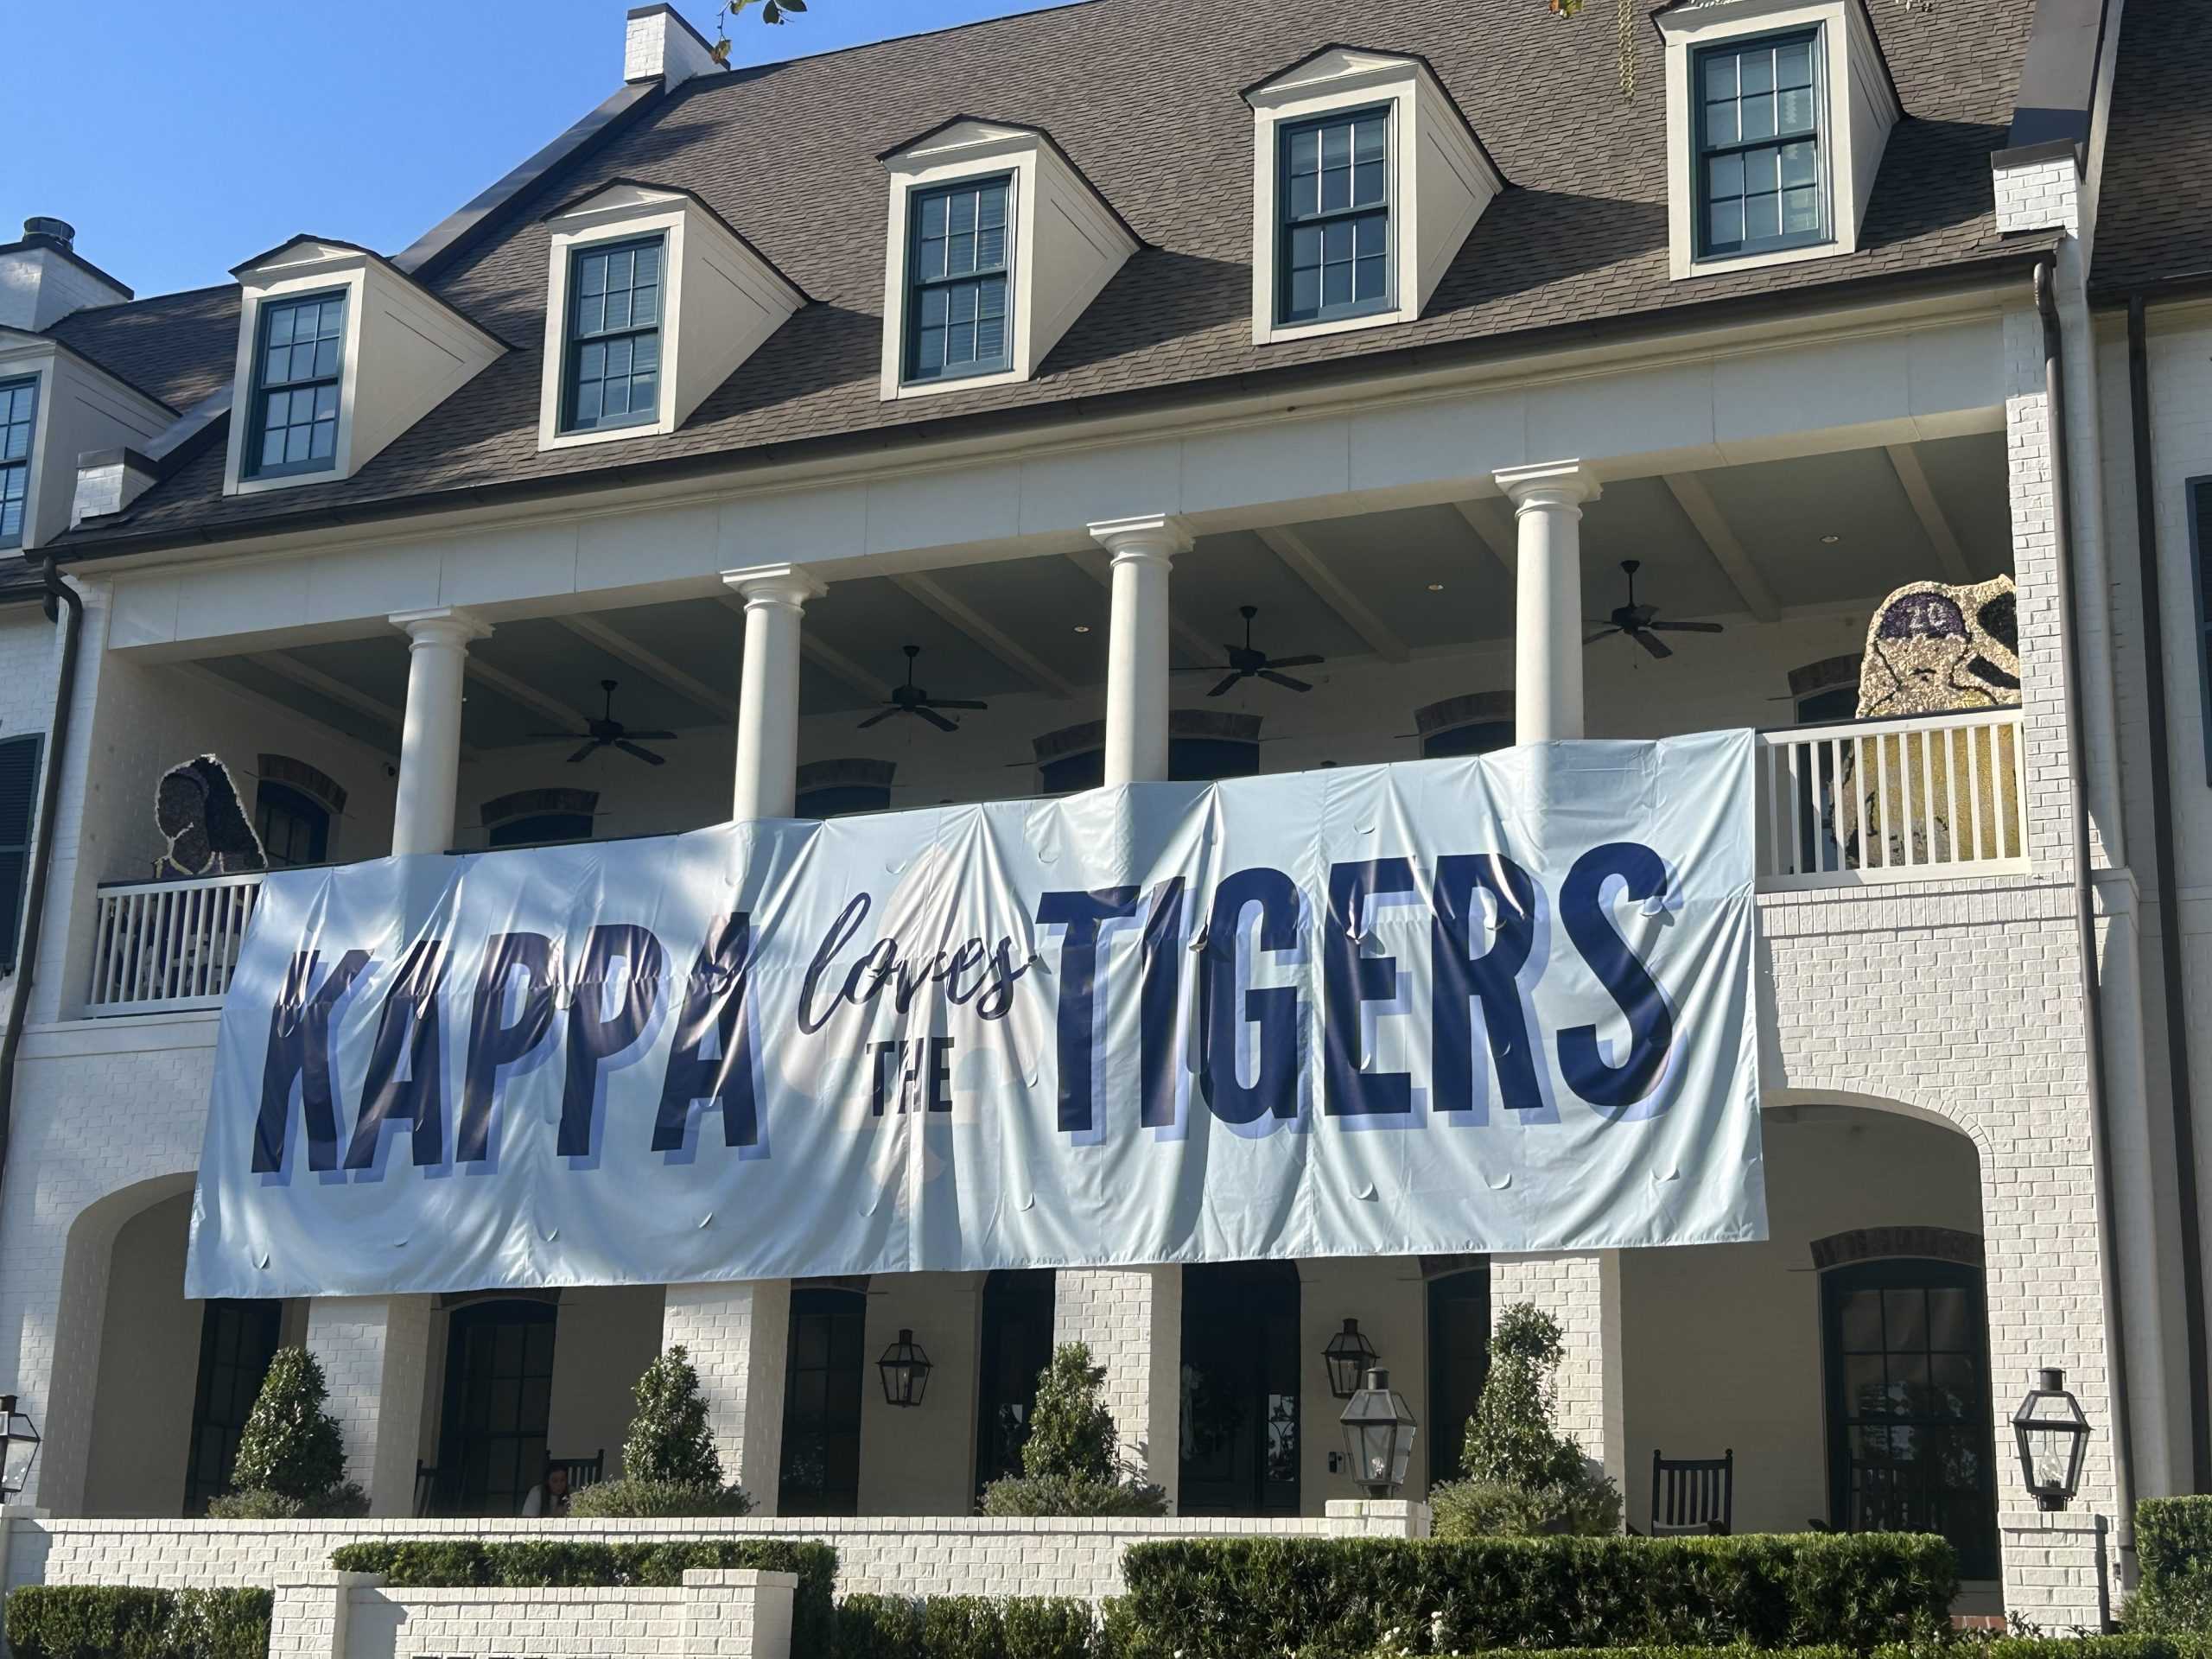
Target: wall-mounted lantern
column 1379, row 1436
column 906, row 1371
column 1350, row 1356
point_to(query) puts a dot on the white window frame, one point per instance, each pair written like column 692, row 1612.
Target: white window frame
column 590, row 227
column 1843, row 49
column 333, row 271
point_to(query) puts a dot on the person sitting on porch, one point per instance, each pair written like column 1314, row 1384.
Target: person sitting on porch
column 550, row 1496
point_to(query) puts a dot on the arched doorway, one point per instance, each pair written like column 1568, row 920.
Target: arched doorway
column 1240, row 1405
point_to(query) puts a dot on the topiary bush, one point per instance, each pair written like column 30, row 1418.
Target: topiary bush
column 669, row 1465
column 1523, row 1478
column 2173, row 1551
column 110, row 1622
column 1258, row 1598
column 291, row 1460
column 1071, row 1462
column 471, row 1563
column 628, row 1499
column 967, row 1627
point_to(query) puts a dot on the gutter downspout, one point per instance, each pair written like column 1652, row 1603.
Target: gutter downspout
column 2162, row 842
column 59, row 593
column 2085, row 919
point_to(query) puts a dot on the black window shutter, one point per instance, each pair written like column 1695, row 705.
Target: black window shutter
column 19, row 758
column 2200, row 555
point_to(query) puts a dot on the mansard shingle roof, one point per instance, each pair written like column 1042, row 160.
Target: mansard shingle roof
column 1144, row 99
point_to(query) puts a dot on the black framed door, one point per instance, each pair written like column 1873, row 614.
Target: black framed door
column 1240, row 1402
column 236, row 1341
column 1911, row 1447
column 822, row 1376
column 1017, row 1345
column 1458, row 1360
column 497, row 1402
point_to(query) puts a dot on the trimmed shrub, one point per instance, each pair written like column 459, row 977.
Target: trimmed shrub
column 669, row 1439
column 1490, row 1509
column 345, row 1503
column 471, row 1563
column 1254, row 1597
column 108, row 1622
column 1071, row 1462
column 879, row 1627
column 1039, row 1495
column 2173, row 1549
column 1950, row 1646
column 290, row 1448
column 634, row 1499
column 1047, row 1627
column 1524, row 1478
column 967, row 1627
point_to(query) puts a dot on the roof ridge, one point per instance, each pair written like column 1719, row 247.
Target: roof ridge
column 740, row 73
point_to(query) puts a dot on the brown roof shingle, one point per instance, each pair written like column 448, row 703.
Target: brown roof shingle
column 1144, row 97
column 2154, row 214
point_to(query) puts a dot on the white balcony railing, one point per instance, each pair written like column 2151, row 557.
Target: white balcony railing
column 1891, row 800
column 166, row 945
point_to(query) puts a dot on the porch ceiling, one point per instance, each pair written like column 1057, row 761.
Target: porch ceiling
column 1746, row 542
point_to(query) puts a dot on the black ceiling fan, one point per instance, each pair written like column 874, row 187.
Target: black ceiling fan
column 1248, row 661
column 911, row 699
column 1639, row 622
column 607, row 731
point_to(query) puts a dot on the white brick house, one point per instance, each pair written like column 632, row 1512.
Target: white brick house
column 366, row 603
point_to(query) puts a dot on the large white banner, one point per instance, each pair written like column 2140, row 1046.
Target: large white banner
column 1466, row 1005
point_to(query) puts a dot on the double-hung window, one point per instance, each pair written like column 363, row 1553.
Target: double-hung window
column 1761, row 182
column 297, row 374
column 1333, row 253
column 612, row 375
column 959, row 263
column 18, row 415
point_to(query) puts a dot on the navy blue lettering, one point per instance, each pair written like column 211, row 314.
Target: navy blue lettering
column 714, row 1004
column 1080, row 914
column 409, row 1020
column 1225, row 1006
column 1349, row 979
column 1651, row 1026
column 597, row 1036
column 494, row 1045
column 1464, row 975
column 299, row 1056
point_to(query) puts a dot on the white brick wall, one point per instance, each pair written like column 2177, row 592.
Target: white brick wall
column 1132, row 1324
column 373, row 1349
column 1582, row 1290
column 2041, row 194
column 736, row 1335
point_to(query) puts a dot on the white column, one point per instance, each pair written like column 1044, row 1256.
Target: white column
column 1581, row 1289
column 1547, row 597
column 775, row 595
column 735, row 1335
column 375, row 1352
column 429, row 748
column 1136, row 663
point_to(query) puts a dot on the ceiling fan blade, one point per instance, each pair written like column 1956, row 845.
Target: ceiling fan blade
column 1652, row 643
column 1296, row 662
column 955, row 702
column 936, row 719
column 1234, row 676
column 1687, row 627
column 1195, row 668
column 1602, row 633
column 650, row 737
column 877, row 720
column 645, row 755
column 1284, row 681
column 584, row 753
column 548, row 737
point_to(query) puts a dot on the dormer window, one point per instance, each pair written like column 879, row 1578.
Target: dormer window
column 18, row 416
column 294, row 407
column 1759, row 146
column 1334, row 254
column 613, row 368
column 957, row 315
column 1367, row 181
column 1778, row 113
column 995, row 246
column 652, row 301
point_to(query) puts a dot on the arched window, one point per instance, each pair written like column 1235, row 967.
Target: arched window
column 1017, row 1321
column 1479, row 723
column 1202, row 746
column 19, row 758
column 539, row 817
column 1824, row 692
column 832, row 788
column 294, row 807
column 1241, row 1367
column 823, row 1371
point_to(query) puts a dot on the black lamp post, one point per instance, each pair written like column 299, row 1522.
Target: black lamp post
column 1379, row 1435
column 18, row 1447
column 2053, row 1437
column 1348, row 1355
column 906, row 1371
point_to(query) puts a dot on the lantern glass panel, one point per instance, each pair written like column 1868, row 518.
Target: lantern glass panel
column 905, row 1369
column 1379, row 1436
column 22, row 1440
column 1349, row 1356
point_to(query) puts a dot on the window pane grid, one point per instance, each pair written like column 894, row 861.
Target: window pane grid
column 959, row 296
column 1335, row 247
column 614, row 317
column 1758, row 162
column 296, row 388
column 18, row 407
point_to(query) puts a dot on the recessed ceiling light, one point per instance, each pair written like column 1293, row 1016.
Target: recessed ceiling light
column 1082, row 627
column 1435, row 587
column 1830, row 539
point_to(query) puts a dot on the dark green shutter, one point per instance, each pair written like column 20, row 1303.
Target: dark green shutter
column 19, row 758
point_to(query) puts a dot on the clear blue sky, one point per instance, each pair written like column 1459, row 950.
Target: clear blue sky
column 181, row 139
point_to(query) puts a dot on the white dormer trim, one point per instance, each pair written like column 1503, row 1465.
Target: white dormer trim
column 79, row 407
column 1860, row 108
column 1442, row 178
column 1067, row 241
column 405, row 351
column 720, row 301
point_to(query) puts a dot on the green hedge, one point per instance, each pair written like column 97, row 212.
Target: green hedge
column 471, row 1563
column 2132, row 1646
column 2173, row 1552
column 967, row 1627
column 105, row 1622
column 1257, row 1598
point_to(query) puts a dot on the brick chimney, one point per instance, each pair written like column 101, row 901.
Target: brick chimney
column 44, row 278
column 660, row 46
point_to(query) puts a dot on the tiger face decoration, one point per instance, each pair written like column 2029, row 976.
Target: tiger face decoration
column 1933, row 648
